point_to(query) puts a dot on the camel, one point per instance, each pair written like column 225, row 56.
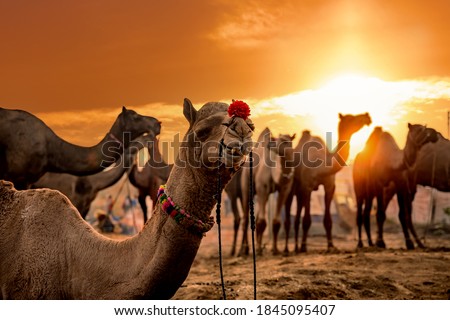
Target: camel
column 82, row 190
column 318, row 166
column 381, row 171
column 306, row 136
column 270, row 174
column 155, row 173
column 361, row 165
column 29, row 148
column 284, row 178
column 48, row 251
column 432, row 167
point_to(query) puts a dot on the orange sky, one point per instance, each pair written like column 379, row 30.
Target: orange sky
column 85, row 56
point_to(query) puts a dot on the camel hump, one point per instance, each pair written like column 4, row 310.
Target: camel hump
column 6, row 193
column 265, row 136
column 6, row 185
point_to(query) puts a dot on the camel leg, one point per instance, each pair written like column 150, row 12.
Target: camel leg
column 261, row 222
column 276, row 222
column 306, row 220
column 287, row 220
column 237, row 222
column 359, row 219
column 366, row 219
column 327, row 222
column 403, row 217
column 410, row 198
column 244, row 250
column 381, row 218
column 141, row 199
column 409, row 223
column 298, row 216
column 276, row 225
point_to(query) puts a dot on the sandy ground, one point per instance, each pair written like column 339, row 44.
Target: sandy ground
column 369, row 273
column 393, row 273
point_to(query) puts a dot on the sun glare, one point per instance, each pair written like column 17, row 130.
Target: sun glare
column 346, row 83
column 347, row 93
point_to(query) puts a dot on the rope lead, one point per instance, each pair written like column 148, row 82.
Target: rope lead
column 252, row 222
column 218, row 220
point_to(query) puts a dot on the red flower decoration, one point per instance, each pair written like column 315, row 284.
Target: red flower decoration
column 239, row 109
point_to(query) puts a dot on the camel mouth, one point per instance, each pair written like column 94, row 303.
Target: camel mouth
column 233, row 158
column 235, row 153
column 149, row 134
column 155, row 129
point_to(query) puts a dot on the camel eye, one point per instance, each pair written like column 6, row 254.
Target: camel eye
column 203, row 133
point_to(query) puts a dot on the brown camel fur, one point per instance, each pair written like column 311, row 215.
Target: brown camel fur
column 29, row 148
column 269, row 173
column 48, row 251
column 82, row 190
column 432, row 167
column 318, row 166
column 383, row 175
column 155, row 173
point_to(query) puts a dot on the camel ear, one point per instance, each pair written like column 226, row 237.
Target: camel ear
column 409, row 125
column 189, row 111
column 293, row 136
column 124, row 109
column 340, row 116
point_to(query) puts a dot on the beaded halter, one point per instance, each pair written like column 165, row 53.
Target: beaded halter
column 182, row 217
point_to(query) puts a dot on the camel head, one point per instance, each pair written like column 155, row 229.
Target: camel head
column 420, row 135
column 349, row 124
column 283, row 144
column 131, row 124
column 211, row 127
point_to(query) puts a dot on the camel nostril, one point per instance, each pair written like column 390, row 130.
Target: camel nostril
column 236, row 151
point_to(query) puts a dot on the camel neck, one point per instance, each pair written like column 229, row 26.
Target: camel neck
column 109, row 177
column 156, row 160
column 69, row 158
column 173, row 247
column 344, row 139
column 336, row 160
column 410, row 152
column 287, row 160
column 194, row 191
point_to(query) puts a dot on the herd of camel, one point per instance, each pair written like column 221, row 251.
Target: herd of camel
column 380, row 171
column 48, row 250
